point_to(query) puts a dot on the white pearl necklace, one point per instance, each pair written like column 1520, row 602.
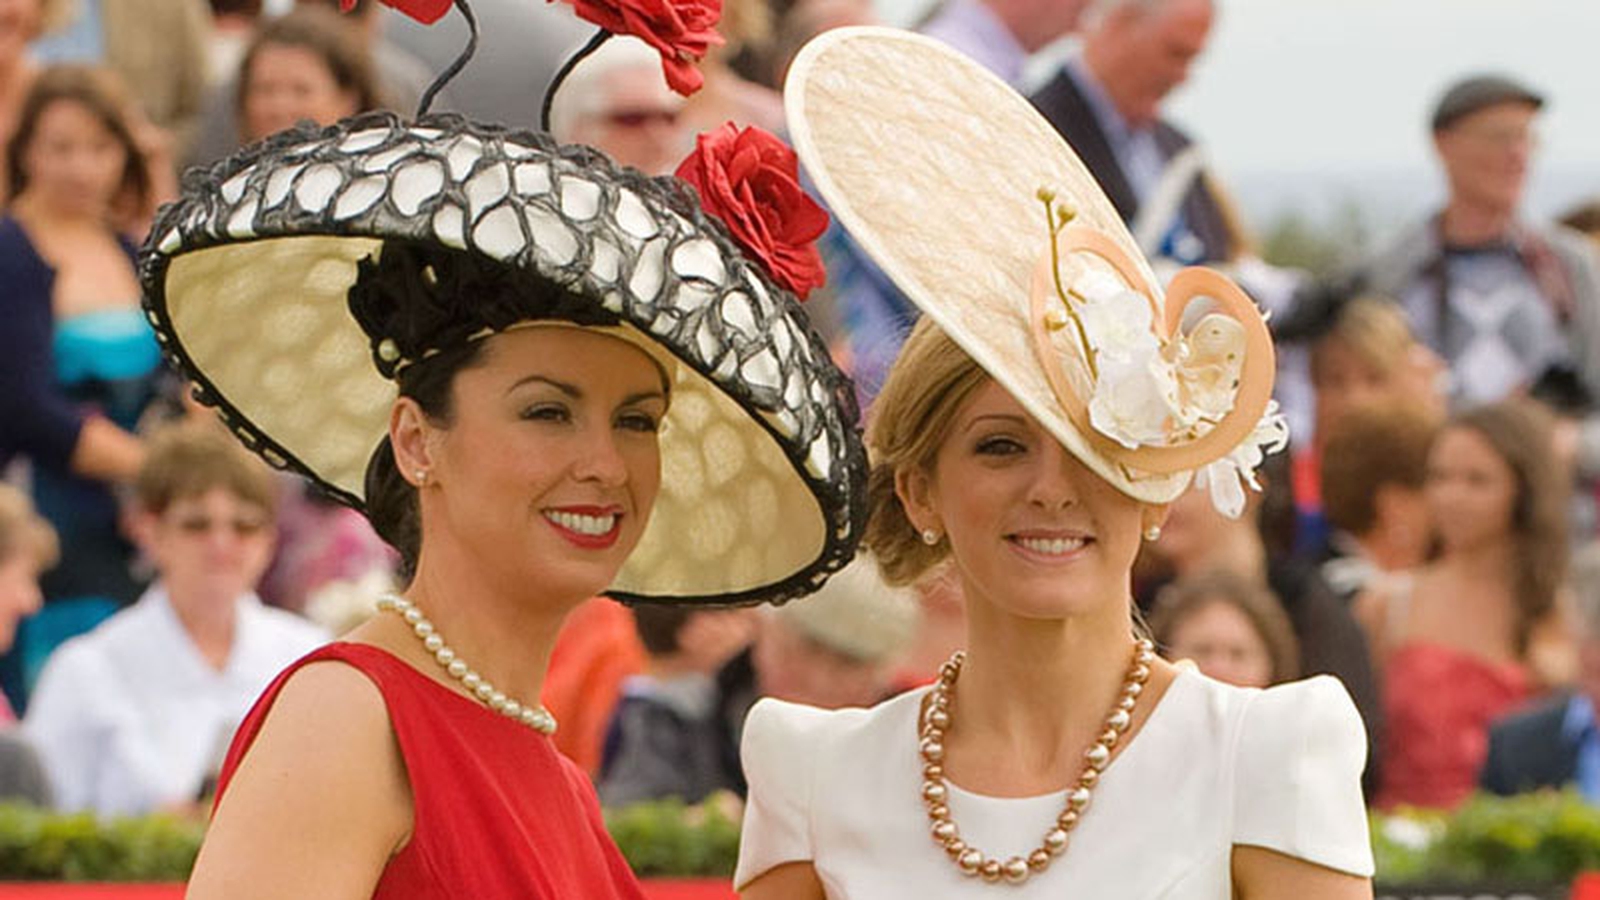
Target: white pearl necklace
column 536, row 717
column 1017, row 869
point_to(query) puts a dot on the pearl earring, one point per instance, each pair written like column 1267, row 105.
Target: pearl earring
column 422, row 477
column 930, row 537
column 1153, row 533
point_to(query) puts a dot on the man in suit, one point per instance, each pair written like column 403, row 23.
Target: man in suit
column 1556, row 744
column 1106, row 101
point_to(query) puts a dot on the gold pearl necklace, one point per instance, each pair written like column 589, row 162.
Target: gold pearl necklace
column 935, row 793
column 536, row 717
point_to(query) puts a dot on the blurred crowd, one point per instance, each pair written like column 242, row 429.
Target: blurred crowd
column 1429, row 537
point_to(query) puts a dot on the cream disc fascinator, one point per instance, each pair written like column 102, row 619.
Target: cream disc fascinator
column 983, row 215
column 255, row 282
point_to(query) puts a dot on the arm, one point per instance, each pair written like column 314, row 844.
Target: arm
column 104, row 452
column 304, row 816
column 790, row 881
column 1262, row 874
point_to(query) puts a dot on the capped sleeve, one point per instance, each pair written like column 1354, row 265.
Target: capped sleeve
column 779, row 754
column 1298, row 776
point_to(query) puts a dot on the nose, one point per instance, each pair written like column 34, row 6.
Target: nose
column 1054, row 484
column 600, row 459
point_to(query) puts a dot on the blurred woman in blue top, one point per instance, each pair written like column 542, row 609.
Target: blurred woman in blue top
column 78, row 364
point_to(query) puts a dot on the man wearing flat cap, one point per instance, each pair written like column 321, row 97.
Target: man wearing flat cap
column 1511, row 305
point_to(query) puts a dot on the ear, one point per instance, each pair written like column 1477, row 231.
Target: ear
column 411, row 437
column 141, row 525
column 914, row 486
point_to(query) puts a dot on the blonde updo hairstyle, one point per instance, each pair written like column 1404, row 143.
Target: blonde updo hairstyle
column 908, row 422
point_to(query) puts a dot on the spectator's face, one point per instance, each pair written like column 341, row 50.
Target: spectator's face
column 19, row 592
column 1219, row 638
column 74, row 164
column 1471, row 491
column 19, row 25
column 1486, row 155
column 1032, row 530
column 790, row 666
column 1155, row 50
column 286, row 84
column 550, row 465
column 213, row 546
column 1345, row 380
column 638, row 124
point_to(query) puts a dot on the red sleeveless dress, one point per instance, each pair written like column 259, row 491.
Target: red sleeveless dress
column 498, row 812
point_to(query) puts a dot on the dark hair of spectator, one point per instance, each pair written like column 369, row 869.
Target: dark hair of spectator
column 190, row 459
column 248, row 8
column 1373, row 328
column 100, row 92
column 330, row 38
column 1584, row 218
column 1368, row 449
column 1183, row 599
column 658, row 626
column 1520, row 432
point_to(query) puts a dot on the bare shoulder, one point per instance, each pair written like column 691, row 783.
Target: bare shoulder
column 324, row 772
column 1262, row 874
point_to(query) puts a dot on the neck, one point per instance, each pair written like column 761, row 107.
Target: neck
column 1101, row 64
column 30, row 210
column 1389, row 551
column 208, row 620
column 1489, row 564
column 1469, row 223
column 1236, row 549
column 507, row 635
column 1037, row 685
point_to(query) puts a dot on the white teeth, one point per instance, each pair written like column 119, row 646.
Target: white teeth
column 592, row 525
column 1053, row 547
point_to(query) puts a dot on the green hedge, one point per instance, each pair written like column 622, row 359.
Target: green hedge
column 1544, row 838
column 1534, row 839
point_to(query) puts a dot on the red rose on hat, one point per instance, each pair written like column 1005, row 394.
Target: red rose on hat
column 425, row 11
column 751, row 181
column 683, row 31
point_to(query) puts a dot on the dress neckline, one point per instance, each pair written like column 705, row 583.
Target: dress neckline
column 419, row 675
column 1157, row 716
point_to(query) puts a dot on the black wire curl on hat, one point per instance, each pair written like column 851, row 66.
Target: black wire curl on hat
column 248, row 283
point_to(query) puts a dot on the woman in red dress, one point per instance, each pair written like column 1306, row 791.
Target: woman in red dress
column 542, row 377
column 1477, row 632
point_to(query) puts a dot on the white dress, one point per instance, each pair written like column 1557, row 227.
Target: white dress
column 1213, row 767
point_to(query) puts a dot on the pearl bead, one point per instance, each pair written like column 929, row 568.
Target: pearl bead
column 939, row 718
column 424, row 629
column 1039, row 860
column 1120, row 720
column 434, row 643
column 1079, row 799
column 497, row 701
column 457, row 668
column 969, row 861
column 933, row 792
column 412, row 615
column 944, row 830
column 1067, row 819
column 955, row 847
column 1109, row 739
column 1133, row 689
column 1098, row 755
column 1141, row 674
column 939, row 812
column 1126, row 703
column 932, row 750
column 990, row 870
column 1055, row 840
column 512, row 709
column 933, row 771
column 1089, row 778
column 471, row 680
column 1015, row 870
column 484, row 690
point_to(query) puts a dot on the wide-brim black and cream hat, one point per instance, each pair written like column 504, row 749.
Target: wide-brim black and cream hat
column 247, row 281
column 983, row 215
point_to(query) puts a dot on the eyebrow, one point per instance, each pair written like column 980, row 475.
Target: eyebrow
column 576, row 393
column 1003, row 417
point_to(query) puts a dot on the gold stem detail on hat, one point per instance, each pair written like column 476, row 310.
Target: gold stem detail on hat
column 1056, row 218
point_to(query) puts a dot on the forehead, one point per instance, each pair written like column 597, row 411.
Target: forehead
column 215, row 496
column 639, row 88
column 576, row 356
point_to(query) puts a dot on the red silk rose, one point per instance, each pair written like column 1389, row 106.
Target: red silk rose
column 425, row 11
column 751, row 181
column 683, row 31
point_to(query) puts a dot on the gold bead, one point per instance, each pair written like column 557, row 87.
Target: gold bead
column 932, row 750
column 944, row 830
column 1079, row 799
column 955, row 847
column 933, row 771
column 1126, row 703
column 1039, row 860
column 1140, row 674
column 1110, row 737
column 970, row 861
column 1089, row 778
column 933, row 792
column 939, row 811
column 1067, row 819
column 1120, row 720
column 990, row 870
column 939, row 718
column 1133, row 689
column 1015, row 870
column 1055, row 841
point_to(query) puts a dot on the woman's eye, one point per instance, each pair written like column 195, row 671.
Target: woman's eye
column 999, row 446
column 548, row 412
column 643, row 422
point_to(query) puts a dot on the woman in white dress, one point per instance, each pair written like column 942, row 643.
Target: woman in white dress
column 1040, row 417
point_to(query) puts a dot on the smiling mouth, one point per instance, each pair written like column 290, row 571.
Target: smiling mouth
column 590, row 528
column 1060, row 547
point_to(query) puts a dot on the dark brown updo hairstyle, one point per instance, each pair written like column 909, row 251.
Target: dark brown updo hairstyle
column 424, row 297
column 99, row 91
column 1522, row 432
column 907, row 424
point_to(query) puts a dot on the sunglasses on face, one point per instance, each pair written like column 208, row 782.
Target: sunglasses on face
column 242, row 526
column 638, row 118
